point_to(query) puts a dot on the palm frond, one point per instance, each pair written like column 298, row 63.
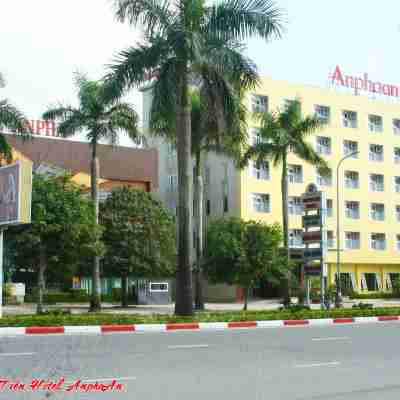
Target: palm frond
column 123, row 117
column 152, row 15
column 70, row 120
column 226, row 58
column 12, row 118
column 306, row 152
column 5, row 149
column 163, row 107
column 134, row 66
column 260, row 152
column 242, row 19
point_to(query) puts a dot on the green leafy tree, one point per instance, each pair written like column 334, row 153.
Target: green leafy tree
column 282, row 133
column 13, row 119
column 139, row 235
column 185, row 42
column 61, row 232
column 242, row 253
column 101, row 119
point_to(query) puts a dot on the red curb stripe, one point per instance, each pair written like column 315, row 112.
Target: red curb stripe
column 242, row 324
column 343, row 320
column 117, row 328
column 293, row 322
column 40, row 330
column 388, row 318
column 174, row 327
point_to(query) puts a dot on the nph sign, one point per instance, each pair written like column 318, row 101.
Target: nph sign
column 42, row 128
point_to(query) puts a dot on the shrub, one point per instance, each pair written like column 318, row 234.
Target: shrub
column 117, row 294
column 7, row 292
column 363, row 306
column 376, row 295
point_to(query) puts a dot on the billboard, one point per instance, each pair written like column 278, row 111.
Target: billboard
column 15, row 193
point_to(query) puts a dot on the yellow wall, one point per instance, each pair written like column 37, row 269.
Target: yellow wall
column 277, row 92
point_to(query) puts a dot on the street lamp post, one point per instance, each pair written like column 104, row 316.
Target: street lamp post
column 338, row 300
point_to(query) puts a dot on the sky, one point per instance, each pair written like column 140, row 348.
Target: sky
column 43, row 42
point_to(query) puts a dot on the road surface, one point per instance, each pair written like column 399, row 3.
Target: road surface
column 332, row 362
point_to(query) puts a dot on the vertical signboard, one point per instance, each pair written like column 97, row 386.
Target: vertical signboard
column 15, row 202
column 314, row 237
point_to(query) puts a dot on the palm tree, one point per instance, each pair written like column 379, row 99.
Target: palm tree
column 100, row 119
column 283, row 133
column 13, row 119
column 189, row 42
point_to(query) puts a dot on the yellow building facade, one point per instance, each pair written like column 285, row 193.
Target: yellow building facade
column 369, row 182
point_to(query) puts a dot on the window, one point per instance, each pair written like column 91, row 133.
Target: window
column 369, row 282
column 398, row 213
column 330, row 239
column 396, row 155
column 375, row 152
column 396, row 126
column 323, row 145
column 287, row 103
column 295, row 206
column 207, row 176
column 158, row 287
column 259, row 170
column 397, row 184
column 329, row 207
column 261, row 202
column 259, row 104
column 398, row 242
column 226, row 208
column 352, row 209
column 376, row 182
column 295, row 173
column 171, row 150
column 393, row 279
column 351, row 179
column 255, row 136
column 324, row 180
column 378, row 241
column 378, row 211
column 349, row 147
column 375, row 123
column 349, row 119
column 172, row 183
column 208, row 207
column 322, row 113
column 295, row 238
column 352, row 240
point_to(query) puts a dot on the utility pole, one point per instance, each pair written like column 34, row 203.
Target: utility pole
column 338, row 299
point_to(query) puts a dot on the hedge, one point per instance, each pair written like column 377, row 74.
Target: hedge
column 377, row 295
column 61, row 297
column 111, row 319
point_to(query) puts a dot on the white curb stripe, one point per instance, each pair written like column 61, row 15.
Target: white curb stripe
column 12, row 331
column 76, row 330
column 151, row 328
column 320, row 321
column 270, row 324
column 365, row 320
column 213, row 325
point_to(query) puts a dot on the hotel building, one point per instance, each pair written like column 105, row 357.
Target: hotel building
column 369, row 181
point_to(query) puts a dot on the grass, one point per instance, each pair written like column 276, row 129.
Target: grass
column 113, row 319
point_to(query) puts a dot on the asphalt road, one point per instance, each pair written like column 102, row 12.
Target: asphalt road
column 335, row 362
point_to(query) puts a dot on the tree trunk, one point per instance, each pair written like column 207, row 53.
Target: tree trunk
column 285, row 220
column 95, row 304
column 41, row 282
column 199, row 191
column 184, row 294
column 246, row 298
column 124, row 289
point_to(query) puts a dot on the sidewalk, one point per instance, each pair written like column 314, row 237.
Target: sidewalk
column 110, row 308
